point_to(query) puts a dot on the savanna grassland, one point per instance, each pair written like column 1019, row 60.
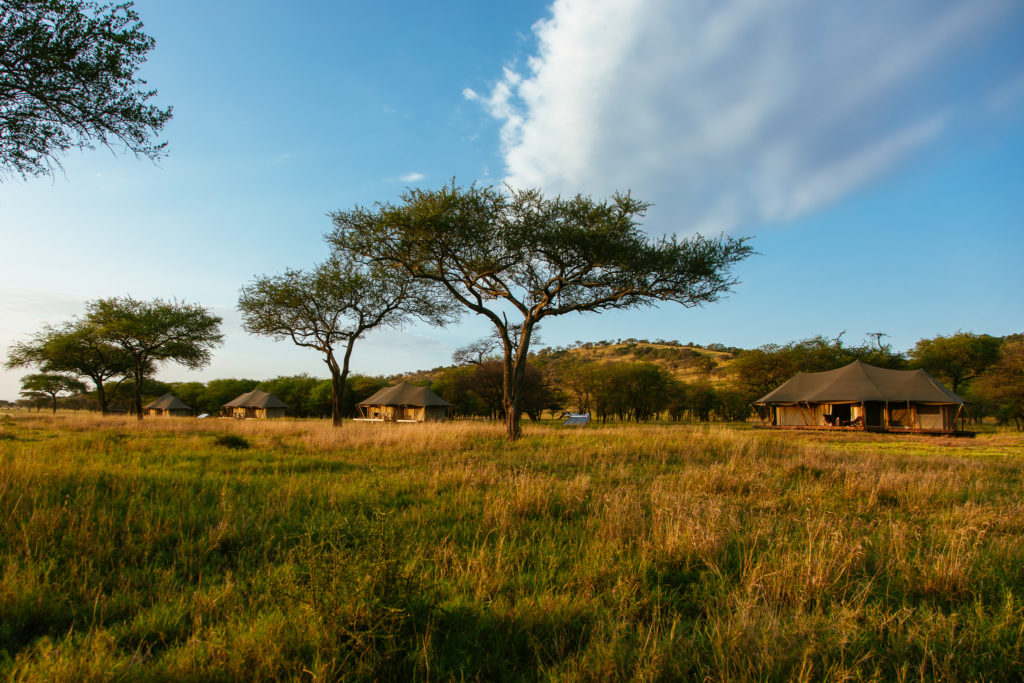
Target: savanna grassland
column 171, row 551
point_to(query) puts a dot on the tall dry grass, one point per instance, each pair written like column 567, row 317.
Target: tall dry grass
column 160, row 550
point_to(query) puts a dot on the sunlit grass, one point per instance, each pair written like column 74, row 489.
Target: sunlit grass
column 159, row 551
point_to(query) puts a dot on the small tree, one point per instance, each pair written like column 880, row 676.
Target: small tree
column 476, row 352
column 153, row 332
column 68, row 79
column 50, row 386
column 958, row 358
column 522, row 255
column 331, row 306
column 74, row 348
column 1003, row 382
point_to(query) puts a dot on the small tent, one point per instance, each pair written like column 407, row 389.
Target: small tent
column 404, row 403
column 862, row 396
column 167, row 405
column 255, row 404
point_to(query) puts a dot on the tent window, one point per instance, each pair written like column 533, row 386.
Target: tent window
column 928, row 410
column 899, row 417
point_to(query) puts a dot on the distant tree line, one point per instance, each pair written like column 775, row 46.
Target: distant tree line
column 988, row 371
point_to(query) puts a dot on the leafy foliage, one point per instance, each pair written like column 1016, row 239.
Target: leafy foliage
column 520, row 254
column 332, row 306
column 152, row 332
column 1003, row 382
column 75, row 348
column 761, row 370
column 68, row 80
column 958, row 358
column 49, row 385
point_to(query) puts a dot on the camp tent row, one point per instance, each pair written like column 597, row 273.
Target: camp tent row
column 404, row 403
column 862, row 396
column 253, row 404
column 401, row 403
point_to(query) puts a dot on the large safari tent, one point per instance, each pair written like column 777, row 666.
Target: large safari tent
column 255, row 404
column 862, row 397
column 404, row 403
column 167, row 405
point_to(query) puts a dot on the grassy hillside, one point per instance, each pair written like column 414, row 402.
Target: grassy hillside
column 685, row 363
column 180, row 549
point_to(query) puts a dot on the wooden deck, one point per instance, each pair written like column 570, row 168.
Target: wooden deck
column 875, row 430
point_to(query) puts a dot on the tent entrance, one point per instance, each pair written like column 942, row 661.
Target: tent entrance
column 873, row 414
column 839, row 414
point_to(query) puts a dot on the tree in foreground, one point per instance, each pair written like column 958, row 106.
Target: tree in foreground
column 331, row 306
column 153, row 332
column 517, row 258
column 74, row 348
column 50, row 386
column 68, row 80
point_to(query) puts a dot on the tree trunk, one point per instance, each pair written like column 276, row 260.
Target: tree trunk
column 101, row 396
column 515, row 371
column 337, row 393
column 338, row 377
column 54, row 398
column 138, row 394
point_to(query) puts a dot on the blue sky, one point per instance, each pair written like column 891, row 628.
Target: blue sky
column 873, row 152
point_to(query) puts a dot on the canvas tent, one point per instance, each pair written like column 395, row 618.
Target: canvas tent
column 167, row 405
column 862, row 396
column 257, row 404
column 404, row 403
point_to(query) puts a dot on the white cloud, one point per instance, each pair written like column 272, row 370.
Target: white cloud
column 727, row 114
column 412, row 177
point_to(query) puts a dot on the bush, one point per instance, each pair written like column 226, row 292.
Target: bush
column 232, row 441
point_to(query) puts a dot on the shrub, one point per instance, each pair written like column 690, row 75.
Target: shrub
column 232, row 441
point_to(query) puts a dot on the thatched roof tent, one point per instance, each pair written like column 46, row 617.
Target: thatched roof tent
column 256, row 399
column 404, row 403
column 862, row 382
column 167, row 402
column 257, row 404
column 862, row 396
column 405, row 394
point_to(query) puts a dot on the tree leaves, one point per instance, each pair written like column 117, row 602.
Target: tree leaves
column 67, row 81
column 519, row 253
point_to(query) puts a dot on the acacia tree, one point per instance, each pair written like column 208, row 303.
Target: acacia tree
column 68, row 79
column 153, row 332
column 333, row 305
column 516, row 253
column 74, row 348
column 475, row 353
column 50, row 386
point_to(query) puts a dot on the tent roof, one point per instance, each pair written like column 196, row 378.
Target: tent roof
column 405, row 394
column 256, row 399
column 862, row 382
column 166, row 402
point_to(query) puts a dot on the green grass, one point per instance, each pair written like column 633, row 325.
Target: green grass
column 162, row 552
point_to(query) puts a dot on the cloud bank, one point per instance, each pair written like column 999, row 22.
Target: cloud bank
column 732, row 113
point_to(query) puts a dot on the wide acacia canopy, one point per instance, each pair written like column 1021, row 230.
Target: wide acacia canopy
column 518, row 253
